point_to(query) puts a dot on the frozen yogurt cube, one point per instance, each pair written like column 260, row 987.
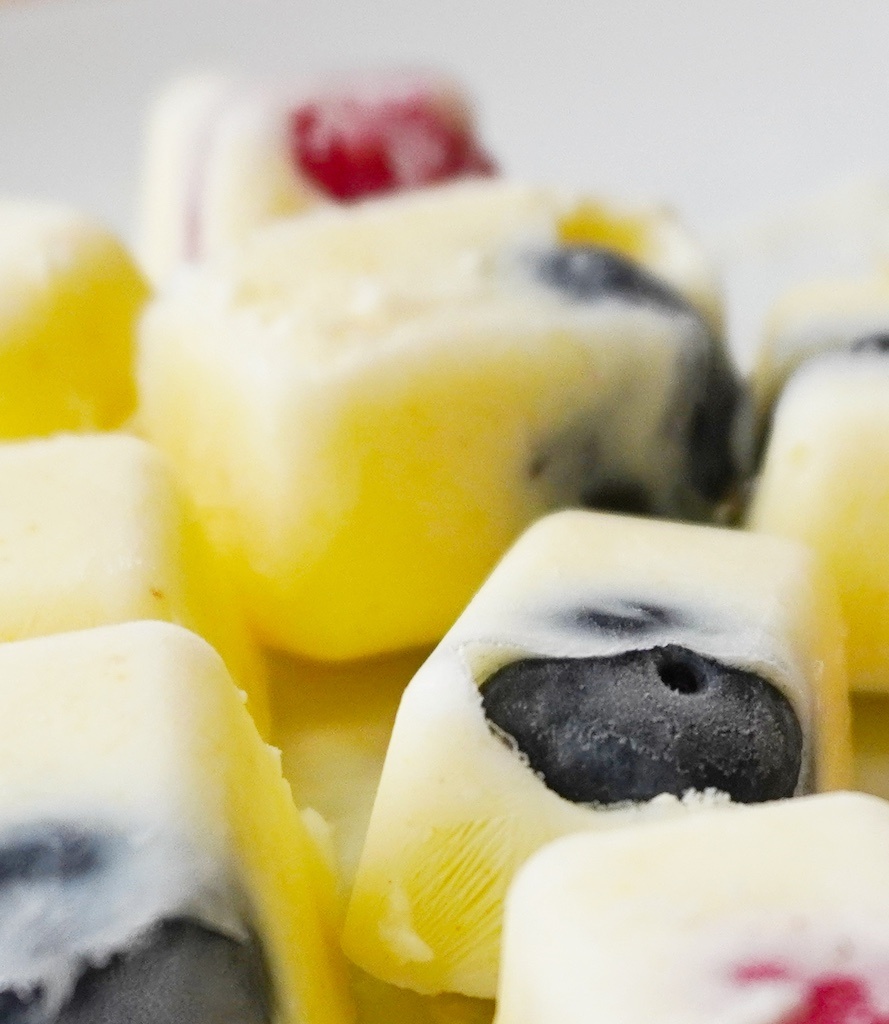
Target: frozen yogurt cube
column 765, row 915
column 825, row 481
column 93, row 531
column 611, row 670
column 153, row 867
column 226, row 156
column 369, row 405
column 69, row 299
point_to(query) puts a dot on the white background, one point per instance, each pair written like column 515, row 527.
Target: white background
column 727, row 108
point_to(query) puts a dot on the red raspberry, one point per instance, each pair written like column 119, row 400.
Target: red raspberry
column 831, row 999
column 353, row 147
column 838, row 999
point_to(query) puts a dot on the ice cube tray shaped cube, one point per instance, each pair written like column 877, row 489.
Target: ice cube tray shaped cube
column 94, row 530
column 368, row 406
column 769, row 914
column 628, row 658
column 154, row 867
column 825, row 482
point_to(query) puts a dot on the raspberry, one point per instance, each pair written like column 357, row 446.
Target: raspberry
column 831, row 999
column 838, row 999
column 353, row 148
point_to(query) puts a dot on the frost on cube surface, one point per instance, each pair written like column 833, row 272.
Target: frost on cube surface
column 369, row 406
column 69, row 299
column 611, row 670
column 849, row 315
column 766, row 914
column 225, row 156
column 94, row 530
column 153, row 867
column 825, row 481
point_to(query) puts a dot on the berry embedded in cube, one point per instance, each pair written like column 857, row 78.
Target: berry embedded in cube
column 224, row 156
column 610, row 671
column 69, row 299
column 825, row 482
column 153, row 867
column 361, row 142
column 773, row 914
column 94, row 531
column 369, row 404
column 577, row 721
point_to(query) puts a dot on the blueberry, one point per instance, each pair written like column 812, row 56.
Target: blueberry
column 181, row 973
column 877, row 343
column 630, row 726
column 17, row 1009
column 589, row 463
column 50, row 851
column 625, row 619
column 589, row 273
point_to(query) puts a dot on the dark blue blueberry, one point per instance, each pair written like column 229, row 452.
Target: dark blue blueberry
column 877, row 343
column 17, row 1009
column 585, row 464
column 713, row 394
column 590, row 273
column 630, row 726
column 48, row 851
column 181, row 973
column 626, row 619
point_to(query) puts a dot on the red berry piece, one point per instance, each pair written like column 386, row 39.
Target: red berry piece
column 352, row 147
column 830, row 999
column 838, row 999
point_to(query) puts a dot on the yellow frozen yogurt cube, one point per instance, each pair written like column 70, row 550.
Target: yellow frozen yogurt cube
column 69, row 299
column 825, row 481
column 764, row 915
column 368, row 405
column 94, row 530
column 155, row 867
column 610, row 671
